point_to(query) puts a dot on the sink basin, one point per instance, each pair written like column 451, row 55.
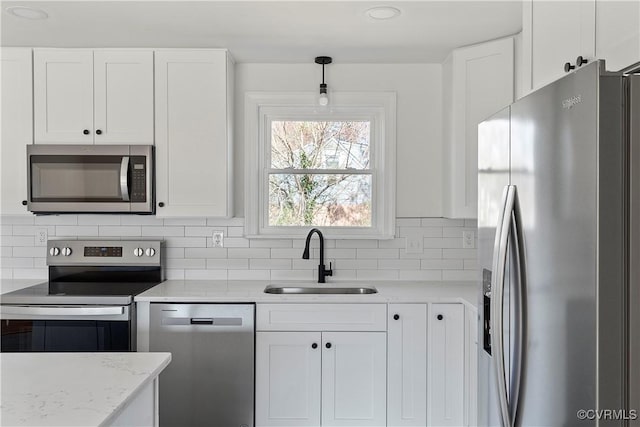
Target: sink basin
column 320, row 289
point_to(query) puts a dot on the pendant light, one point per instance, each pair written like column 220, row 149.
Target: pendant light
column 323, row 99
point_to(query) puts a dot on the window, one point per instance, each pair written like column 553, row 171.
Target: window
column 330, row 167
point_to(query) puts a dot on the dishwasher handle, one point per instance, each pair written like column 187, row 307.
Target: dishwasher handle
column 202, row 321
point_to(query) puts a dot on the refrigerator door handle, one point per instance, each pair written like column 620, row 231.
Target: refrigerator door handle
column 521, row 308
column 497, row 300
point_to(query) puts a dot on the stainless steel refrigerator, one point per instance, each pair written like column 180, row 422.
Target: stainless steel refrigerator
column 559, row 249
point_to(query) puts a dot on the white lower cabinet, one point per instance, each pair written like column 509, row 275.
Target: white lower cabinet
column 446, row 365
column 415, row 369
column 321, row 378
column 288, row 367
column 407, row 365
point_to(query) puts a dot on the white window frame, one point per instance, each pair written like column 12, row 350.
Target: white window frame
column 261, row 108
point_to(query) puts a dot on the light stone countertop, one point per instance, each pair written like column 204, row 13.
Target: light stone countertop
column 72, row 389
column 253, row 291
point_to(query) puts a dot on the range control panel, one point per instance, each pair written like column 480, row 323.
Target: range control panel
column 104, row 252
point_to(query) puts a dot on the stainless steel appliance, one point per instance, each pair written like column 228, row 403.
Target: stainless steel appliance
column 210, row 381
column 559, row 247
column 87, row 304
column 90, row 178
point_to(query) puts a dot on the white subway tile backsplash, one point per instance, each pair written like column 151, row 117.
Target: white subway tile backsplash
column 205, row 274
column 99, row 219
column 56, row 220
column 460, row 275
column 30, row 251
column 399, row 264
column 249, row 253
column 117, row 231
column 270, row 264
column 188, row 251
column 163, row 231
column 248, row 274
column 76, row 230
column 228, row 264
column 378, row 253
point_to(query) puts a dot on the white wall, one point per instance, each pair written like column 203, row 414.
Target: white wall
column 419, row 119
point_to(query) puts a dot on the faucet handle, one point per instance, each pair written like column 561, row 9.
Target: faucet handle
column 329, row 272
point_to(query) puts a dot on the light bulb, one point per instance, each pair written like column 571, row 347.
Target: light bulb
column 324, row 99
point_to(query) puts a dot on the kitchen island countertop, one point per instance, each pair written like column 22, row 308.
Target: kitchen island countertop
column 72, row 389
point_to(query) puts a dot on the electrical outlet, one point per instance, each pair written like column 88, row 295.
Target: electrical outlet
column 218, row 239
column 468, row 240
column 414, row 244
column 41, row 237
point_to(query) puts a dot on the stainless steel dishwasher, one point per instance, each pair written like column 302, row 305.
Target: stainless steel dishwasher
column 210, row 381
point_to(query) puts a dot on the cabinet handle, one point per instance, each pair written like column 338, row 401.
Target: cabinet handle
column 396, row 316
column 440, row 317
column 314, row 345
column 580, row 61
column 568, row 67
column 24, row 203
column 161, row 204
column 328, row 345
column 86, row 131
column 98, row 132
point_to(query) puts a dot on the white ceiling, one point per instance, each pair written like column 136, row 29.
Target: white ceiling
column 269, row 31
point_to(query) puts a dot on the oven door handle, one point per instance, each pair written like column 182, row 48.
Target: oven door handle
column 22, row 310
column 124, row 181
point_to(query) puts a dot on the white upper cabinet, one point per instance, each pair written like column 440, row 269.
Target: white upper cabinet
column 194, row 95
column 17, row 127
column 478, row 81
column 618, row 32
column 557, row 32
column 123, row 97
column 86, row 97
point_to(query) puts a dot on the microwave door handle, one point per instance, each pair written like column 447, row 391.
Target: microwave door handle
column 124, row 181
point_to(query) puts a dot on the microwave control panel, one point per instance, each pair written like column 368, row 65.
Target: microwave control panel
column 138, row 179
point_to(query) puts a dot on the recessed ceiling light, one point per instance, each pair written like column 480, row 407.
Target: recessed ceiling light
column 27, row 12
column 382, row 13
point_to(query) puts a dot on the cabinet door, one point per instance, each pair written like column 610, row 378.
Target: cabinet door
column 288, row 378
column 63, row 96
column 446, row 365
column 618, row 32
column 560, row 32
column 193, row 151
column 17, row 127
column 482, row 84
column 407, row 365
column 123, row 97
column 354, row 379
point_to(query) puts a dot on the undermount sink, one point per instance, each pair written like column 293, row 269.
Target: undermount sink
column 319, row 289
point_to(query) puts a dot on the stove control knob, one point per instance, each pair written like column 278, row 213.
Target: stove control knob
column 138, row 251
column 66, row 251
column 54, row 251
column 150, row 252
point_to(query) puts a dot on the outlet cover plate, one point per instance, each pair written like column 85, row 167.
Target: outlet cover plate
column 468, row 240
column 415, row 244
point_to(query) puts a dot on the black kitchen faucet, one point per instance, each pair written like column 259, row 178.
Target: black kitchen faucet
column 322, row 271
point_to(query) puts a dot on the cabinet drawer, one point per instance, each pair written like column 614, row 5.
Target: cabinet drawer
column 321, row 317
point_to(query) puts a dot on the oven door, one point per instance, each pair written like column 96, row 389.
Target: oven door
column 66, row 328
column 89, row 178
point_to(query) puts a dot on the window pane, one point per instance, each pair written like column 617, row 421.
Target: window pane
column 320, row 145
column 322, row 200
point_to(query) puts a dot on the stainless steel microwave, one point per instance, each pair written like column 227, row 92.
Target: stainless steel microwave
column 90, row 178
